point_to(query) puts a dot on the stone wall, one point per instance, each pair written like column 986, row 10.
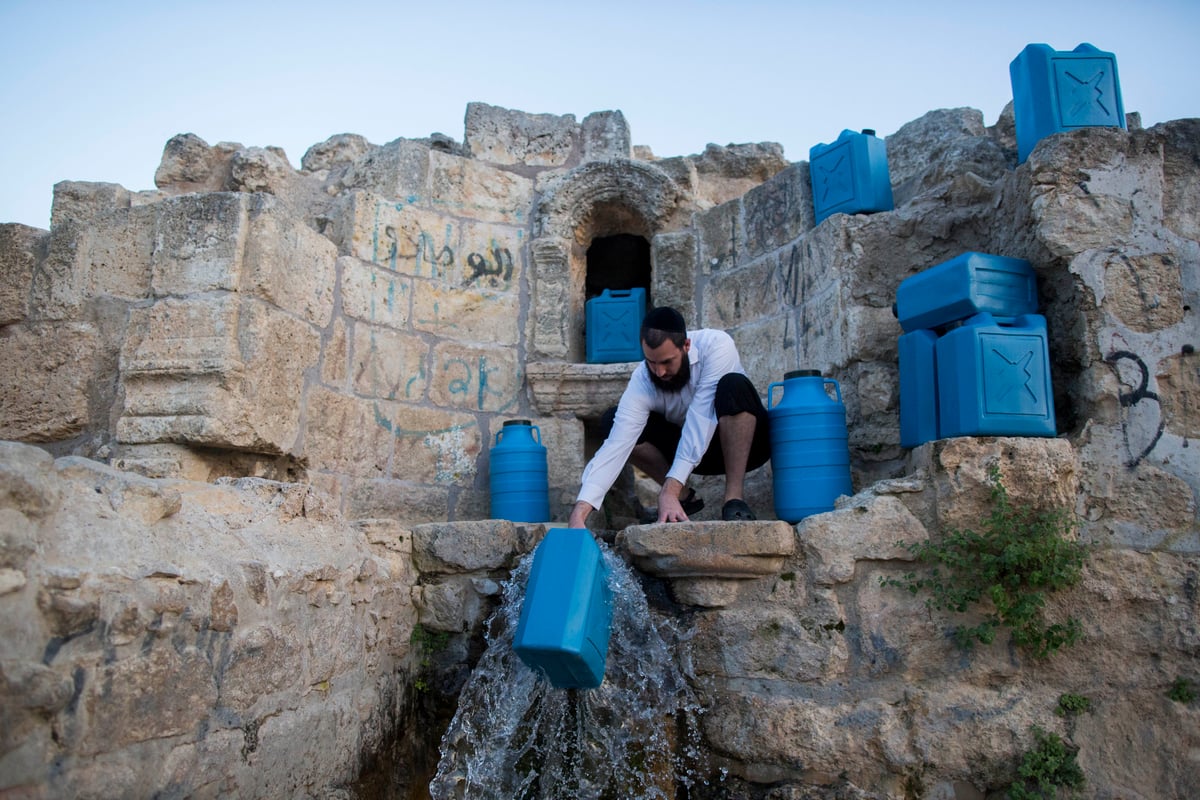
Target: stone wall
column 262, row 401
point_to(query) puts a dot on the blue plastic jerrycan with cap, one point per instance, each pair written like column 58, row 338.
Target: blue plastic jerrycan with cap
column 566, row 615
column 518, row 480
column 1056, row 91
column 810, row 454
column 994, row 379
column 614, row 326
column 968, row 284
column 850, row 175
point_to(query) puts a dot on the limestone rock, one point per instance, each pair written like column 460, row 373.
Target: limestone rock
column 189, row 164
column 501, row 136
column 709, row 549
column 21, row 248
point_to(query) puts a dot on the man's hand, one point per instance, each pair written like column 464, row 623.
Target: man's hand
column 579, row 515
column 669, row 507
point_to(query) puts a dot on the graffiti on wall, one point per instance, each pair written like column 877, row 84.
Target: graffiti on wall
column 1136, row 404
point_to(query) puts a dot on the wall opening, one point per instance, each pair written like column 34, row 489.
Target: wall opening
column 621, row 261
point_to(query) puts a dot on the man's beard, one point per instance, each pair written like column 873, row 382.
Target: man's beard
column 675, row 383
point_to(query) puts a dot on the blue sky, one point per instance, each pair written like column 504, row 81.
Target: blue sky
column 92, row 91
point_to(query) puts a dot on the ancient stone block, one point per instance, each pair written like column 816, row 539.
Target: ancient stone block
column 722, row 240
column 867, row 530
column 398, row 170
column 491, row 257
column 189, row 164
column 348, row 435
column 673, row 282
column 45, row 398
column 287, row 264
column 199, row 242
column 220, row 371
column 501, row 136
column 335, row 355
column 375, row 295
column 750, row 292
column 80, row 202
column 406, row 502
column 388, row 364
column 475, row 378
column 21, row 248
column 1179, row 393
column 455, row 548
column 605, row 134
column 466, row 315
column 778, row 211
column 558, row 312
column 475, row 190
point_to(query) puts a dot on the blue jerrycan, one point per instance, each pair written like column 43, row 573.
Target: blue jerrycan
column 520, row 490
column 566, row 615
column 810, row 453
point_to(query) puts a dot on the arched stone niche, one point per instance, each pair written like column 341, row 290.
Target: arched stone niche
column 600, row 198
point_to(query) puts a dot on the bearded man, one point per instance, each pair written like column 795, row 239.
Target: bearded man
column 688, row 408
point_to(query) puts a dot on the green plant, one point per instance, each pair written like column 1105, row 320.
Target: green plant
column 1018, row 557
column 1047, row 768
column 1183, row 690
column 1072, row 705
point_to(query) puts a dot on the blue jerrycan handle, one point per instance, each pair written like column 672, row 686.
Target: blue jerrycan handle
column 536, row 430
column 770, row 389
column 836, row 388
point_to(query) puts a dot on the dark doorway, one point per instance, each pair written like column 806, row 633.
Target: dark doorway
column 617, row 262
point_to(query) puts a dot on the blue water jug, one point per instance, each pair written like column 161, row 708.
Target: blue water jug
column 614, row 326
column 968, row 284
column 850, row 175
column 918, row 388
column 566, row 615
column 994, row 379
column 1057, row 91
column 520, row 489
column 810, row 454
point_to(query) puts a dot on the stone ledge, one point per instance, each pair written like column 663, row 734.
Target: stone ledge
column 732, row 550
column 585, row 390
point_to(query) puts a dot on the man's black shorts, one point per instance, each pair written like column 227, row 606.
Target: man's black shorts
column 735, row 394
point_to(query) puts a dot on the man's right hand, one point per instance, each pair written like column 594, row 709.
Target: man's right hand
column 579, row 515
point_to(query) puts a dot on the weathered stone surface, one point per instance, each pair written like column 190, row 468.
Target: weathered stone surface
column 605, row 134
column 21, row 248
column 203, row 626
column 189, row 164
column 475, row 190
column 45, row 399
column 938, row 147
column 389, row 365
column 216, row 370
column 441, row 548
column 501, row 136
column 869, row 528
column 707, row 549
column 339, row 150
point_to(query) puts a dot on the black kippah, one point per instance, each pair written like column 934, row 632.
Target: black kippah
column 666, row 319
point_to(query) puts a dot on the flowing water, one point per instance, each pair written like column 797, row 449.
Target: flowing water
column 635, row 737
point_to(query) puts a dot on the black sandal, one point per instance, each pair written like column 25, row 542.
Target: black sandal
column 737, row 511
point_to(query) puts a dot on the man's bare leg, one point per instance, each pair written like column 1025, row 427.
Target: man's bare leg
column 737, row 434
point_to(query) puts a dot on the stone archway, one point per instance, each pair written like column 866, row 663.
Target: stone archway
column 598, row 199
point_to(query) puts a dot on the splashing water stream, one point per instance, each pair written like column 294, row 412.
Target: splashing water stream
column 635, row 737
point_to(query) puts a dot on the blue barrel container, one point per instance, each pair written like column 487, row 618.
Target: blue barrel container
column 1057, row 91
column 850, row 175
column 519, row 483
column 810, row 454
column 994, row 379
column 614, row 326
column 566, row 615
column 918, row 388
column 968, row 284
